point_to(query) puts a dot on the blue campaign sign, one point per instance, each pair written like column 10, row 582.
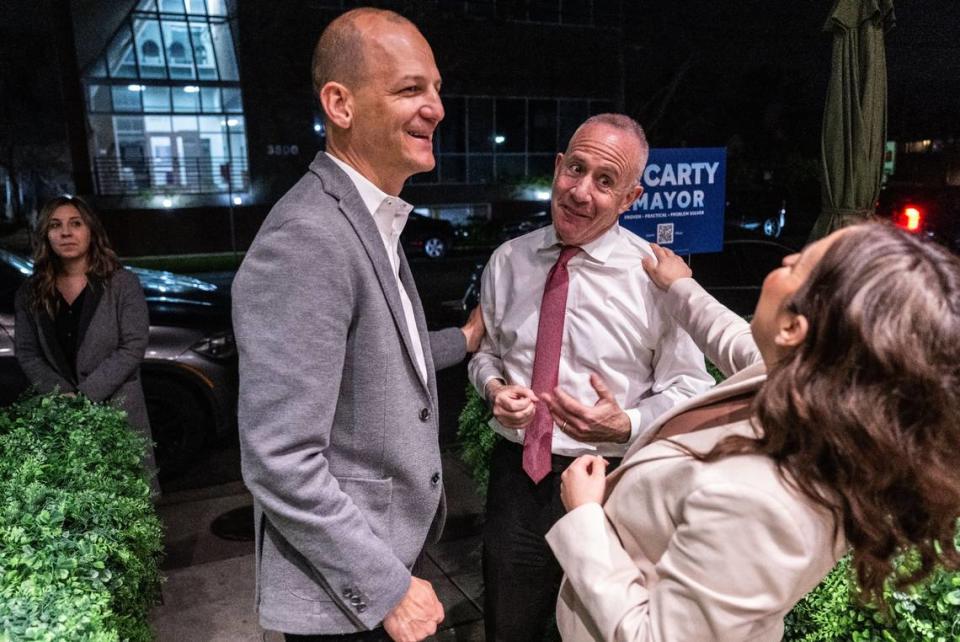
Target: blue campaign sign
column 683, row 200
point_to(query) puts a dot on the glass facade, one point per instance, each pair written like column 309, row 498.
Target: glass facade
column 498, row 139
column 601, row 13
column 163, row 102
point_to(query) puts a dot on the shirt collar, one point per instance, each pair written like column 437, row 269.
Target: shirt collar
column 598, row 249
column 389, row 212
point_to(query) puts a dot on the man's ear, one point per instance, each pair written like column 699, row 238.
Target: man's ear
column 556, row 164
column 632, row 195
column 792, row 330
column 337, row 103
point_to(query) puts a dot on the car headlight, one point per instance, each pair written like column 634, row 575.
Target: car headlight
column 220, row 346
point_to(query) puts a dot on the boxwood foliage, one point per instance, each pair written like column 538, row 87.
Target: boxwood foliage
column 829, row 613
column 80, row 541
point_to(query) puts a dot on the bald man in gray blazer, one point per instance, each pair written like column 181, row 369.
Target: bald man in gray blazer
column 338, row 396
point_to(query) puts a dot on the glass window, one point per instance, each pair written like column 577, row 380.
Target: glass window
column 216, row 7
column 212, row 124
column 510, row 135
column 172, row 6
column 453, row 169
column 203, row 51
column 570, row 115
column 480, row 168
column 98, row 69
column 102, row 134
column 511, row 167
column 157, row 123
column 147, row 5
column 197, row 7
column 151, row 58
column 186, row 98
column 185, row 123
column 480, row 125
column 452, row 133
column 126, row 98
column 179, row 51
column 545, row 10
column 543, row 125
column 600, row 107
column 483, row 8
column 98, row 98
column 156, row 99
column 231, row 100
column 210, row 99
column 120, row 55
column 223, row 45
column 540, row 165
column 512, row 9
column 606, row 14
column 576, row 12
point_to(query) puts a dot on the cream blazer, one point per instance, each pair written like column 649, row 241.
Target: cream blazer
column 691, row 551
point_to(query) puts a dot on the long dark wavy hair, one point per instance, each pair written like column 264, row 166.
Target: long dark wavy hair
column 863, row 417
column 102, row 261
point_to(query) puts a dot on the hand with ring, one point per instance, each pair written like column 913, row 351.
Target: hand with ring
column 605, row 421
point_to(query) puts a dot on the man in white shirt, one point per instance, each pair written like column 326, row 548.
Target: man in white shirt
column 338, row 397
column 580, row 357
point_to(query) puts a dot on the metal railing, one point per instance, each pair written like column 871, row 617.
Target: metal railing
column 183, row 175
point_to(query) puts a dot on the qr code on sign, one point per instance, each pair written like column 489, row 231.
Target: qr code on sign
column 664, row 233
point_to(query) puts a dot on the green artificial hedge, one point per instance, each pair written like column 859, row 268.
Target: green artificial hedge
column 829, row 613
column 80, row 541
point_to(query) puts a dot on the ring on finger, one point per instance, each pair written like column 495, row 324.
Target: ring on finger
column 563, row 426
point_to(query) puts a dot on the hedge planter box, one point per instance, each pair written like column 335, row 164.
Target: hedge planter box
column 79, row 539
column 829, row 613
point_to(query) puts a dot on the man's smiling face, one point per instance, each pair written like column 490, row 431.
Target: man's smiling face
column 397, row 102
column 594, row 182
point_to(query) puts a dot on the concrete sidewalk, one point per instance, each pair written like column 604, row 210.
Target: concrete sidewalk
column 208, row 593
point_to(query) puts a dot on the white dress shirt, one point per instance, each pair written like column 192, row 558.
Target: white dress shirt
column 390, row 214
column 616, row 326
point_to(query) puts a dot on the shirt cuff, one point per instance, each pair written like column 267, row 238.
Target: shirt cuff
column 636, row 421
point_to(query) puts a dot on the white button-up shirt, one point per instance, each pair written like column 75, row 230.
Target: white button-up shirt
column 616, row 326
column 390, row 214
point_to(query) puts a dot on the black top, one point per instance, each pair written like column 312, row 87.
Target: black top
column 67, row 327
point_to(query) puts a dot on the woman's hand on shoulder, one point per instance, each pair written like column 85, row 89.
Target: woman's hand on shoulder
column 667, row 268
column 584, row 481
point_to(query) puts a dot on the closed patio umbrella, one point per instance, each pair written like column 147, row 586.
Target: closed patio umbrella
column 855, row 114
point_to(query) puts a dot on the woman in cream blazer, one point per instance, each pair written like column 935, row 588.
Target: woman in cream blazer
column 692, row 547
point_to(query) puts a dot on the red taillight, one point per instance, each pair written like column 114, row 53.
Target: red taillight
column 909, row 218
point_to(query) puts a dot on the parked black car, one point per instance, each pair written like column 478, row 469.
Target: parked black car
column 189, row 371
column 527, row 223
column 425, row 236
column 734, row 276
column 932, row 211
column 763, row 211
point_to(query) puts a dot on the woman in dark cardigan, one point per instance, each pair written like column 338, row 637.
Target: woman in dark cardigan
column 81, row 319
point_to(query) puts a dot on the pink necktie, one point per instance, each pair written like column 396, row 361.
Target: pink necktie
column 538, row 438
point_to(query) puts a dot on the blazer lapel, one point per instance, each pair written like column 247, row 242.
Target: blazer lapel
column 90, row 302
column 339, row 185
column 747, row 380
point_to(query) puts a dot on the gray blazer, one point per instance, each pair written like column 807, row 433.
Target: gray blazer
column 114, row 327
column 338, row 431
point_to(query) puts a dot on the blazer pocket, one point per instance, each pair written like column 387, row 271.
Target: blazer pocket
column 373, row 498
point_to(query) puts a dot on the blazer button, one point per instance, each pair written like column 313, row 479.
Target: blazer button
column 424, row 414
column 361, row 608
column 435, row 479
column 348, row 593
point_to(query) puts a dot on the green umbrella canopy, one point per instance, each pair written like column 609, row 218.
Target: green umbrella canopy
column 855, row 114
